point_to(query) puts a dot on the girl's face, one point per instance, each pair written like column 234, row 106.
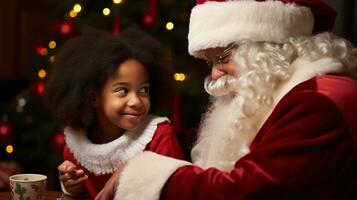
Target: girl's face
column 124, row 99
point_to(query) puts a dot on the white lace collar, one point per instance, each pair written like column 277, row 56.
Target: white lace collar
column 105, row 158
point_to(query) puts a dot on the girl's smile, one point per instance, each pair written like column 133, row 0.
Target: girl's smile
column 124, row 100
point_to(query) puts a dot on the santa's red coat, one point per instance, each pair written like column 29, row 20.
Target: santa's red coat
column 306, row 149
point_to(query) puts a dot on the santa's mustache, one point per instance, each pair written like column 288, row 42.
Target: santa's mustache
column 225, row 85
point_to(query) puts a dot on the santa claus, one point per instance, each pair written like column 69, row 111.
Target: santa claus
column 282, row 120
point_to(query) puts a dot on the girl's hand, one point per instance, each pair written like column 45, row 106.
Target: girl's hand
column 110, row 187
column 71, row 178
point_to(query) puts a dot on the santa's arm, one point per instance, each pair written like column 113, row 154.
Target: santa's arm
column 144, row 176
column 295, row 136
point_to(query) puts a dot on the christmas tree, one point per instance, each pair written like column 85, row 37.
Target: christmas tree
column 29, row 135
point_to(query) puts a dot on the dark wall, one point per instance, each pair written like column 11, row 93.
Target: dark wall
column 22, row 23
column 346, row 21
column 8, row 47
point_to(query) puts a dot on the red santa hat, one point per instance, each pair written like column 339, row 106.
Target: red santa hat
column 217, row 23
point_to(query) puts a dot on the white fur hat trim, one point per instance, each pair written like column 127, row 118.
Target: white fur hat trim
column 217, row 24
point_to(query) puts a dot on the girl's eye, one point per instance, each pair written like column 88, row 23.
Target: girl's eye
column 121, row 90
column 144, row 91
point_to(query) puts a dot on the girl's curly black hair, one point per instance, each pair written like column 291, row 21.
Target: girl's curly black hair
column 84, row 63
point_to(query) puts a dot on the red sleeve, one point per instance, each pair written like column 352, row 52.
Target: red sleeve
column 165, row 142
column 303, row 150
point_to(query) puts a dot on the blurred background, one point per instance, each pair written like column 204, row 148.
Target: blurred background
column 31, row 31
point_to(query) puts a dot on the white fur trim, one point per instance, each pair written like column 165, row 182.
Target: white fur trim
column 221, row 151
column 145, row 175
column 305, row 70
column 217, row 24
column 105, row 158
column 64, row 190
column 73, row 195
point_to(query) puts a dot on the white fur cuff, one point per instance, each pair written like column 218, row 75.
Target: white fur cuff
column 145, row 175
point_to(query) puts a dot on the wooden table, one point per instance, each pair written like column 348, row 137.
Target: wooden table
column 49, row 195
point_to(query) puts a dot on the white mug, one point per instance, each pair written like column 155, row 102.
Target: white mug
column 28, row 186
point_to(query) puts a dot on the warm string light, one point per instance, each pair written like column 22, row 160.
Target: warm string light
column 106, row 11
column 180, row 77
column 77, row 8
column 9, row 149
column 170, row 26
column 72, row 14
column 117, row 1
column 52, row 44
column 42, row 73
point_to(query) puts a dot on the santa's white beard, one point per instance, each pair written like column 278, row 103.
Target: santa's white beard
column 231, row 123
column 223, row 86
column 225, row 133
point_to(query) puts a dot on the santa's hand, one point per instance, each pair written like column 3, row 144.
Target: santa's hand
column 110, row 187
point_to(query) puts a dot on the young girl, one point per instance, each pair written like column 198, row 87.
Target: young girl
column 102, row 90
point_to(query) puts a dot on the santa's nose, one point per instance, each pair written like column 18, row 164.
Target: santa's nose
column 217, row 71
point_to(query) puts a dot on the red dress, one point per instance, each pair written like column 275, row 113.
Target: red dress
column 159, row 138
